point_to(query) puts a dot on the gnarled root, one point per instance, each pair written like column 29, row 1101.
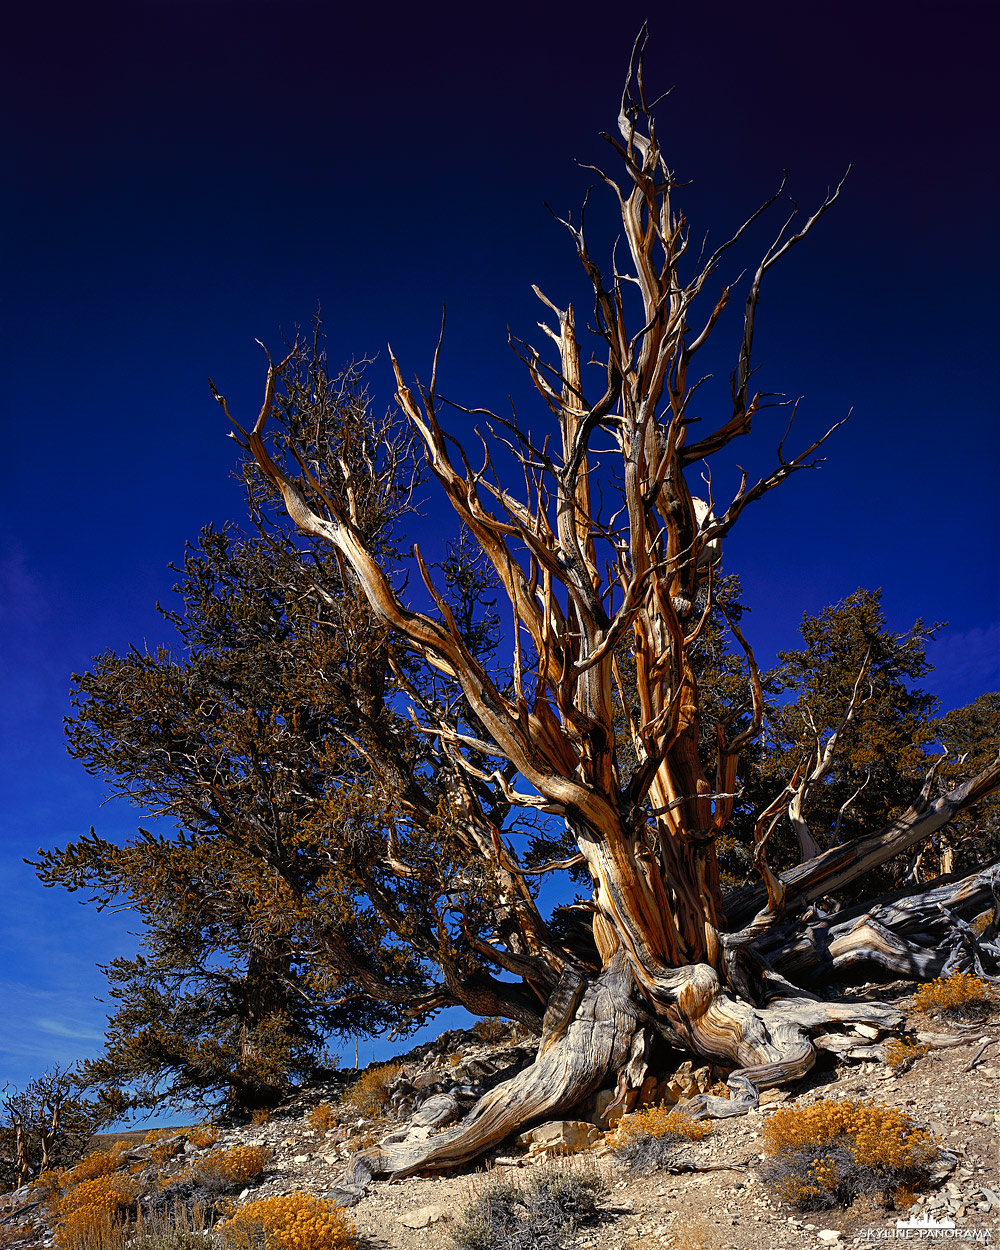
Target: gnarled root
column 770, row 1044
column 579, row 1048
column 594, row 1033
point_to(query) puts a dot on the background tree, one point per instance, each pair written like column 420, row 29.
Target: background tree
column 221, row 1008
column 847, row 728
column 49, row 1123
column 322, row 875
column 970, row 735
column 586, row 576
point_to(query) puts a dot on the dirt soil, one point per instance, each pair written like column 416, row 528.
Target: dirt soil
column 726, row 1208
column 732, row 1209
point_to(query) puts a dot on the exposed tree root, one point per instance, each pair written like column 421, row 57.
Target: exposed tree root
column 599, row 1035
column 574, row 1058
column 603, row 1031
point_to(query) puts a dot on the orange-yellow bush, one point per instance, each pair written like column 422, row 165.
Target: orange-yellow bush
column 832, row 1151
column 203, row 1135
column 261, row 1116
column 660, row 1121
column 646, row 1140
column 321, row 1117
column 167, row 1143
column 370, row 1092
column 289, row 1222
column 901, row 1056
column 961, row 994
column 97, row 1163
column 90, row 1208
column 225, row 1169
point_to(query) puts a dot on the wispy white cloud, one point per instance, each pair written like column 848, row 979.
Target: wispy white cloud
column 65, row 1028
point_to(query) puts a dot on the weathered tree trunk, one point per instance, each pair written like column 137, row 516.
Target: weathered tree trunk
column 750, row 1017
column 23, row 1154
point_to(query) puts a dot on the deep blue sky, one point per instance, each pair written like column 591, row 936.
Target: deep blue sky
column 183, row 178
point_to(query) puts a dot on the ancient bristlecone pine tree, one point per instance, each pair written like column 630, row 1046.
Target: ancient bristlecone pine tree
column 608, row 602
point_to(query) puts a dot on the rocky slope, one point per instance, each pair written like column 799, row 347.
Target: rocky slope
column 722, row 1204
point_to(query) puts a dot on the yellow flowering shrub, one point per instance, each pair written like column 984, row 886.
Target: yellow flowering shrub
column 225, row 1169
column 834, row 1151
column 97, row 1163
column 660, row 1121
column 959, row 996
column 321, row 1117
column 289, row 1222
column 203, row 1135
column 166, row 1142
column 646, row 1140
column 900, row 1055
column 87, row 1211
column 369, row 1094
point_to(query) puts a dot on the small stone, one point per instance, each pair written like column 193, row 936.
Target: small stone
column 301, row 1159
column 828, row 1234
column 424, row 1217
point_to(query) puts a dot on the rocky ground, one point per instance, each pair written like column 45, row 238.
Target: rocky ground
column 953, row 1091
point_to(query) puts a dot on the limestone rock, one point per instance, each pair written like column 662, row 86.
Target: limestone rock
column 424, row 1217
column 600, row 1114
column 560, row 1137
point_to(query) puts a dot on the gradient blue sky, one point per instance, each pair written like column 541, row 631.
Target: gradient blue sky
column 183, row 178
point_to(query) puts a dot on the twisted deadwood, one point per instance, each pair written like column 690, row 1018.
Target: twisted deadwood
column 676, row 957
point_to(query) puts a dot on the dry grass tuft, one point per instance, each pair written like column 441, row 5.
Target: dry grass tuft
column 510, row 1215
column 289, row 1222
column 369, row 1095
column 492, row 1029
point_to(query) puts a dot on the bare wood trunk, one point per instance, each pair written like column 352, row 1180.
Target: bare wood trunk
column 844, row 864
column 23, row 1153
column 919, row 932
